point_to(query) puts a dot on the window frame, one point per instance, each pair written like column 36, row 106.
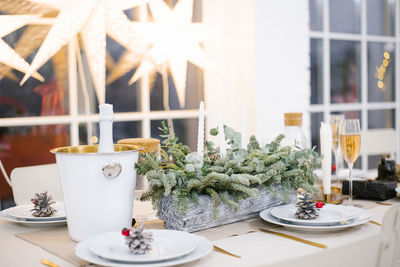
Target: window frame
column 363, row 106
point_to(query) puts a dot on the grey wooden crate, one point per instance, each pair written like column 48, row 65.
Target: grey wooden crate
column 200, row 217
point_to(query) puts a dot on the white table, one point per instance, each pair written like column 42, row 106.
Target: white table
column 357, row 246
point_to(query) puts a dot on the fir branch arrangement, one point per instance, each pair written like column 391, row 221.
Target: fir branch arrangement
column 185, row 175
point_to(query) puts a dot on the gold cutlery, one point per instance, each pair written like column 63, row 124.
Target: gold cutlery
column 49, row 263
column 383, row 203
column 374, row 222
column 294, row 238
column 220, row 250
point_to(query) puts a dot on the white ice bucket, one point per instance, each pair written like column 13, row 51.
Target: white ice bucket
column 98, row 188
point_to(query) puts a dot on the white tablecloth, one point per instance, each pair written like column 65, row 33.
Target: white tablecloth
column 357, row 246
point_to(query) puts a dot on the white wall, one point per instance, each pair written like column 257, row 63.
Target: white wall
column 260, row 49
column 231, row 49
column 282, row 79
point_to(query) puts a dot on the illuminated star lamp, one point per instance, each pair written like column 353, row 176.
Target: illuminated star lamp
column 92, row 19
column 8, row 24
column 175, row 40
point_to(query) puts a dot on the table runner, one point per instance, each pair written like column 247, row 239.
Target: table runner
column 55, row 241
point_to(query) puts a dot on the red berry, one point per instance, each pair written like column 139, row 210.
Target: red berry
column 319, row 204
column 125, row 232
column 333, row 167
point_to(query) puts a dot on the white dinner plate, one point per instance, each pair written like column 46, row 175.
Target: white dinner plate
column 328, row 215
column 82, row 250
column 398, row 190
column 363, row 216
column 23, row 212
column 167, row 244
column 4, row 215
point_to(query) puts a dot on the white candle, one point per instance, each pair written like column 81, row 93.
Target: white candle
column 221, row 133
column 244, row 126
column 200, row 131
column 326, row 151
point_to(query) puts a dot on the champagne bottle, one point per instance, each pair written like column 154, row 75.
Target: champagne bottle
column 106, row 133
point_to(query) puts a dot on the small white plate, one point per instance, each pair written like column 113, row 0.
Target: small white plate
column 167, row 244
column 23, row 212
column 328, row 215
column 4, row 215
column 398, row 190
column 363, row 216
column 82, row 250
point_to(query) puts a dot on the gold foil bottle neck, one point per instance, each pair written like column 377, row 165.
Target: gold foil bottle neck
column 293, row 119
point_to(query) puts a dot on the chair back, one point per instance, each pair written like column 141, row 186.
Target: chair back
column 26, row 181
column 379, row 141
column 389, row 254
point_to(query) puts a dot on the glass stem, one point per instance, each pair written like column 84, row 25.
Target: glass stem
column 350, row 184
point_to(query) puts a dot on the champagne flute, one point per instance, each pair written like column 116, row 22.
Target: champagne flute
column 335, row 121
column 350, row 142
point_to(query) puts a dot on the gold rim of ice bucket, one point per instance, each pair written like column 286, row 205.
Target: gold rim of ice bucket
column 92, row 149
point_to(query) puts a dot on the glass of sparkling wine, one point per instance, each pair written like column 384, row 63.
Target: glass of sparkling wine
column 350, row 142
column 335, row 121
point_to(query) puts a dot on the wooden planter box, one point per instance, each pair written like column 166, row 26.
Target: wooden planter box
column 200, row 217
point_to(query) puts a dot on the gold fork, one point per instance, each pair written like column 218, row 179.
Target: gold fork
column 220, row 250
column 298, row 239
column 49, row 263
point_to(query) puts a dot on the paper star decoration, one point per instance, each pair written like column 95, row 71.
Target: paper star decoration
column 19, row 7
column 127, row 62
column 29, row 41
column 175, row 41
column 92, row 19
column 8, row 24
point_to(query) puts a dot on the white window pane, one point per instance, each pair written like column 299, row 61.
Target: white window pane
column 378, row 119
column 344, row 16
column 316, row 71
column 345, row 71
column 316, row 12
column 380, row 17
column 381, row 70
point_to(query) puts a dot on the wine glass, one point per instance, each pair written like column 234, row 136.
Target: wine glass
column 350, row 142
column 335, row 121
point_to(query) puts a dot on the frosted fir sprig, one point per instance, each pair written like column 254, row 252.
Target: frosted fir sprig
column 227, row 179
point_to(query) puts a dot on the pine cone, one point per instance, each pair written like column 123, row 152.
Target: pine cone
column 42, row 206
column 306, row 206
column 139, row 242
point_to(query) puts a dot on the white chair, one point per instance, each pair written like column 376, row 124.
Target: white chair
column 26, row 181
column 389, row 254
column 379, row 141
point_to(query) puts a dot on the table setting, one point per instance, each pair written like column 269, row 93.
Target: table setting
column 206, row 200
column 41, row 213
column 337, row 219
column 170, row 248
